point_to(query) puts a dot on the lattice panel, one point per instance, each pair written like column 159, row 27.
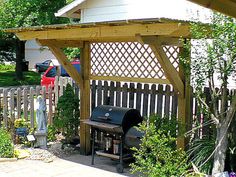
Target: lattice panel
column 128, row 59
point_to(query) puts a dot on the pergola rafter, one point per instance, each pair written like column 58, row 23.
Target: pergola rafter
column 126, row 35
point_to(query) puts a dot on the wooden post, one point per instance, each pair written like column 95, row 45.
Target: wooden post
column 85, row 99
column 184, row 106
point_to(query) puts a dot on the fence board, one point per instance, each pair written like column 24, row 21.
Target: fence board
column 118, row 94
column 159, row 100
column 138, row 97
column 93, row 94
column 18, row 103
column 99, row 93
column 152, row 99
column 25, row 103
column 167, row 101
column 56, row 90
column 12, row 106
column 131, row 95
column 105, row 93
column 49, row 105
column 31, row 107
column 112, row 95
column 174, row 106
column 125, row 95
column 5, row 105
column 145, row 100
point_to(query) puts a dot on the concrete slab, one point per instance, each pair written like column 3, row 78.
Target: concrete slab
column 72, row 166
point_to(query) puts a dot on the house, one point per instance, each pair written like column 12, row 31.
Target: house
column 114, row 10
column 36, row 54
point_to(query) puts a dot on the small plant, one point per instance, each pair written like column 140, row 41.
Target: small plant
column 51, row 134
column 200, row 153
column 157, row 155
column 6, row 144
column 20, row 123
column 67, row 114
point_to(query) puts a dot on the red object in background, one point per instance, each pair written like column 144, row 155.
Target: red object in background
column 48, row 78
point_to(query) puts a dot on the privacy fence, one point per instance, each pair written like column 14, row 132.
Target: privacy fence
column 148, row 98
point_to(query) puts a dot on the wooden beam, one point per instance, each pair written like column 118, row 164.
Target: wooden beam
column 85, row 147
column 61, row 43
column 227, row 7
column 163, row 40
column 169, row 70
column 61, row 57
column 184, row 105
column 108, row 32
column 130, row 79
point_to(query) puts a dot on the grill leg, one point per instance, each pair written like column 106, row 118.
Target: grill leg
column 120, row 167
column 93, row 141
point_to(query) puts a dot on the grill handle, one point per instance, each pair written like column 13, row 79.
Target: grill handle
column 104, row 117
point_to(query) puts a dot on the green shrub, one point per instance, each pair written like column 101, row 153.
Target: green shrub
column 200, row 153
column 157, row 155
column 4, row 67
column 51, row 134
column 6, row 144
column 67, row 114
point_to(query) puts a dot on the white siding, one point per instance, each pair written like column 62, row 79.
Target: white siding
column 110, row 10
column 35, row 53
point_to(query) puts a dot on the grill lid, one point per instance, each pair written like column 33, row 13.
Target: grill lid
column 124, row 117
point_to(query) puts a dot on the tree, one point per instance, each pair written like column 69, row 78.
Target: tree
column 213, row 64
column 22, row 13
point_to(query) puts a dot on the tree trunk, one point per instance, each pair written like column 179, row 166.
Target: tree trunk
column 221, row 147
column 20, row 56
column 222, row 138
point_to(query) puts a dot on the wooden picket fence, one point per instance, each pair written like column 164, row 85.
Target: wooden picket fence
column 150, row 99
column 16, row 103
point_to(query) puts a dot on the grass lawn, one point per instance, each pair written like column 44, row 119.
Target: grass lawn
column 8, row 78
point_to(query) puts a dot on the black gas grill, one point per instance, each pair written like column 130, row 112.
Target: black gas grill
column 114, row 122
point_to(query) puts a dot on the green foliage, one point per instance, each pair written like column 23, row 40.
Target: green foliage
column 24, row 13
column 67, row 113
column 51, row 133
column 4, row 67
column 213, row 64
column 21, row 123
column 72, row 53
column 200, row 151
column 6, row 144
column 157, row 155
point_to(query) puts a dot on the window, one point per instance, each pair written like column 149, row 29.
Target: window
column 52, row 72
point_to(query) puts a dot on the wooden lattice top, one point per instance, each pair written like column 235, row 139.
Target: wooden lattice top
column 129, row 60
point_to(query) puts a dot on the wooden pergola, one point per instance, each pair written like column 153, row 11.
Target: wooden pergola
column 155, row 33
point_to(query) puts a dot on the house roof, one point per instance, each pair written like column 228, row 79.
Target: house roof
column 70, row 10
column 227, row 7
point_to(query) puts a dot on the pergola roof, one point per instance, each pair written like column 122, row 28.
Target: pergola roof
column 102, row 31
column 227, row 7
